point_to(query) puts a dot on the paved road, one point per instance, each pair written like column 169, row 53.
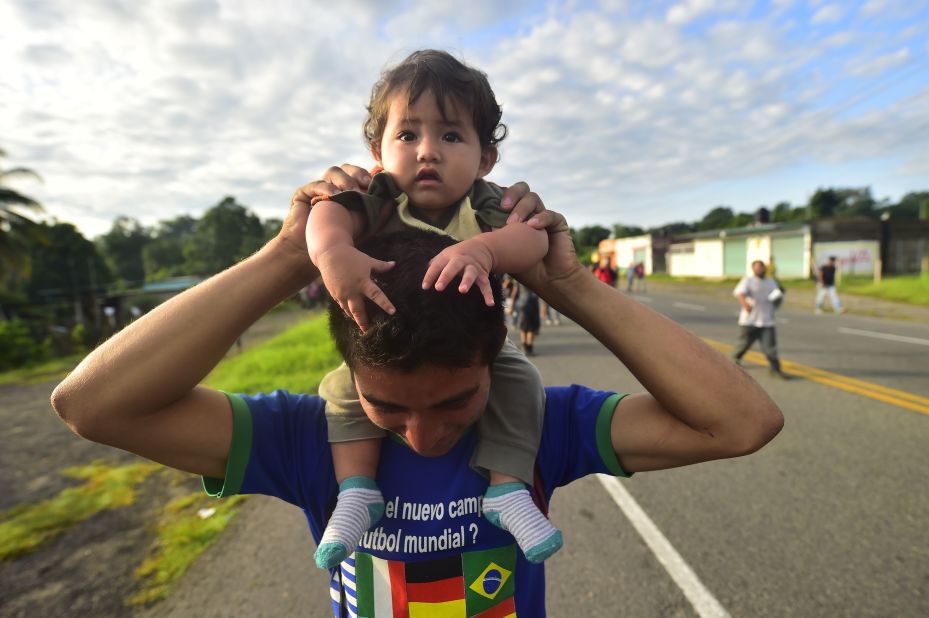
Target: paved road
column 828, row 520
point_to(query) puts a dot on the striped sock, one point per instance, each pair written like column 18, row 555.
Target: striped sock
column 509, row 506
column 360, row 506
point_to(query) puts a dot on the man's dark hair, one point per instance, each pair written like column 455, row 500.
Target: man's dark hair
column 446, row 328
column 443, row 75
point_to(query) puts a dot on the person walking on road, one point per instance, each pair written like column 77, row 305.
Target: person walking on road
column 758, row 295
column 604, row 273
column 825, row 282
column 527, row 303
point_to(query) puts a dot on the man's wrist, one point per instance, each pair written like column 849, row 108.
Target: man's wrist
column 568, row 291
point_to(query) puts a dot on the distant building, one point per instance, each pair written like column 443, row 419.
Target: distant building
column 648, row 249
column 729, row 253
column 860, row 245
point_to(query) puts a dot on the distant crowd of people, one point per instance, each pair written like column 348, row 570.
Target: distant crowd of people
column 635, row 274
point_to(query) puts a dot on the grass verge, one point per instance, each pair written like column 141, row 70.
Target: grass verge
column 296, row 360
column 55, row 369
column 187, row 526
column 25, row 528
column 912, row 289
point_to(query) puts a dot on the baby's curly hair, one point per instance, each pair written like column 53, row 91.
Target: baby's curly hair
column 438, row 72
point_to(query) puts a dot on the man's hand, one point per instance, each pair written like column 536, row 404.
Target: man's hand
column 521, row 201
column 348, row 177
column 472, row 258
column 346, row 273
column 561, row 260
column 336, row 179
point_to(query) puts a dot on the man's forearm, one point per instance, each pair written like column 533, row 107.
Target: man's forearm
column 161, row 357
column 689, row 379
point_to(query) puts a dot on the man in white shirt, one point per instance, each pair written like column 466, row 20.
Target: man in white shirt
column 758, row 296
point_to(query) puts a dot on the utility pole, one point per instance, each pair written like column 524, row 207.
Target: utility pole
column 93, row 296
column 78, row 312
column 924, row 216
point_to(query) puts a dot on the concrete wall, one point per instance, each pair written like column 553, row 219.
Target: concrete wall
column 621, row 251
column 699, row 258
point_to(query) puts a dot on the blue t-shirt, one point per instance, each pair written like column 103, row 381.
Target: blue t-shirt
column 432, row 553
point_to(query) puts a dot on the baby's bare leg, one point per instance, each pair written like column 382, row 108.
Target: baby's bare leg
column 356, row 458
column 360, row 504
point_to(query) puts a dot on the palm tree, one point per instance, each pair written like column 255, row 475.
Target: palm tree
column 15, row 228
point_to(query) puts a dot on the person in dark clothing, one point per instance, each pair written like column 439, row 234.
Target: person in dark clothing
column 527, row 303
column 825, row 283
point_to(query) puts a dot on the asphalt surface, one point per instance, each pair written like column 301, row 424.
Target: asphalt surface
column 827, row 520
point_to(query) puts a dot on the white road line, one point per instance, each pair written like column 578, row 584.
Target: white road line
column 702, row 600
column 643, row 299
column 689, row 306
column 876, row 335
column 783, row 321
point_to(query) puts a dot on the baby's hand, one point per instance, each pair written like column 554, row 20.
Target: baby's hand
column 346, row 272
column 472, row 258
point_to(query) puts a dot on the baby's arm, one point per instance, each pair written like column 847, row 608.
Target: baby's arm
column 512, row 248
column 345, row 270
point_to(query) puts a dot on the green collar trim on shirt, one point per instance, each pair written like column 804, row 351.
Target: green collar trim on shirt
column 239, row 452
column 604, row 437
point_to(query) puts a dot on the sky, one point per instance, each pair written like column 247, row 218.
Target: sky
column 639, row 113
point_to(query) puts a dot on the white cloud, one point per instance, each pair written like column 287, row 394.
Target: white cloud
column 872, row 66
column 684, row 12
column 827, row 14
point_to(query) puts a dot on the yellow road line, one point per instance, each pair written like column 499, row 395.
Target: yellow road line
column 903, row 399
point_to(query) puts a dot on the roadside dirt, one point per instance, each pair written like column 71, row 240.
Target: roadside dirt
column 88, row 571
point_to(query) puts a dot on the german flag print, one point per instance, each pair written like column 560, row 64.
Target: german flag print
column 471, row 585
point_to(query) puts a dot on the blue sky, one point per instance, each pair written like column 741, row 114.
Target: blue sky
column 634, row 112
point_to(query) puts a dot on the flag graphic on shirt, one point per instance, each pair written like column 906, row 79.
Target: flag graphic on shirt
column 470, row 585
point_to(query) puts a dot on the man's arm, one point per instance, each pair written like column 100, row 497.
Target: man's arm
column 138, row 391
column 698, row 405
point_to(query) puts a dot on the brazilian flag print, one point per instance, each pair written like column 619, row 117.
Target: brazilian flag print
column 470, row 585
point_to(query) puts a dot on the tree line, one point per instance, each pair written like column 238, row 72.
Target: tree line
column 52, row 277
column 48, row 269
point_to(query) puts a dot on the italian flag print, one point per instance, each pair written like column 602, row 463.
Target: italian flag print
column 470, row 585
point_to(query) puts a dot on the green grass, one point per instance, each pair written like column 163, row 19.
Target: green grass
column 187, row 526
column 54, row 369
column 295, row 360
column 25, row 528
column 913, row 289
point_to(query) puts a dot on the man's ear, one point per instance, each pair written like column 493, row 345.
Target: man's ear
column 488, row 160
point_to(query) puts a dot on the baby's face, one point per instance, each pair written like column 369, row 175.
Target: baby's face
column 434, row 160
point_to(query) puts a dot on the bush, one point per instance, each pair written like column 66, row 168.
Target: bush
column 17, row 346
column 79, row 338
